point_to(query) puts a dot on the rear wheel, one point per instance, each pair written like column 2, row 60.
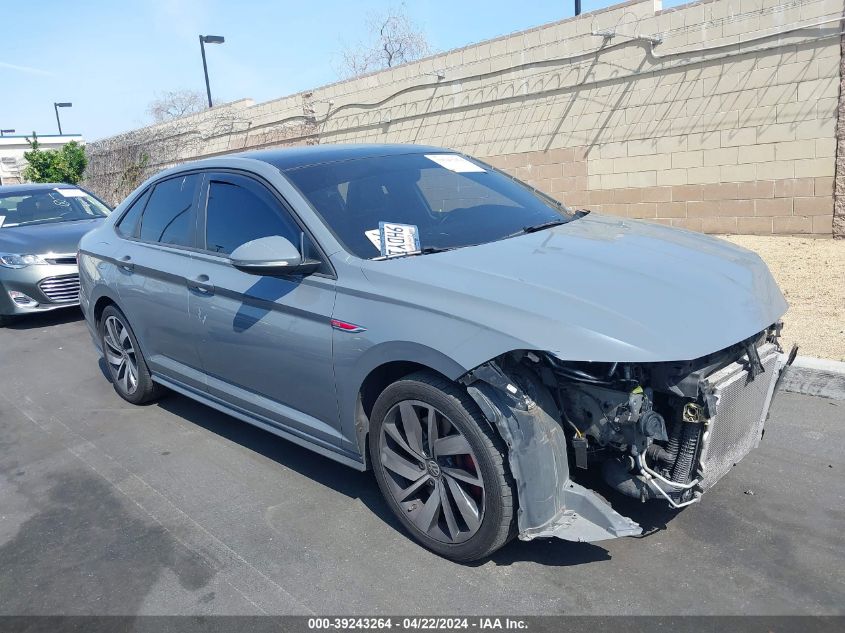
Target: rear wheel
column 127, row 367
column 441, row 468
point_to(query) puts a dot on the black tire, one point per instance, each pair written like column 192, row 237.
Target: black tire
column 4, row 320
column 498, row 521
column 145, row 390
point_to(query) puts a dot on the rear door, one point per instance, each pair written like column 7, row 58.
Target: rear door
column 153, row 263
column 265, row 342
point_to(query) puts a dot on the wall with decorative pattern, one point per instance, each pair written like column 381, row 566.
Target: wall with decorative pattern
column 718, row 116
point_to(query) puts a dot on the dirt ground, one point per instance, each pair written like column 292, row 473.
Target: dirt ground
column 811, row 274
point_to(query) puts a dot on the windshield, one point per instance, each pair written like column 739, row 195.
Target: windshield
column 451, row 200
column 45, row 206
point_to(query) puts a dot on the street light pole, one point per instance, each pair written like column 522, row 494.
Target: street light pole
column 208, row 39
column 6, row 131
column 56, row 107
column 577, row 7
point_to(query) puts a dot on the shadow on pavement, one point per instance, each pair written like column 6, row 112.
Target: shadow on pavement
column 550, row 552
column 87, row 546
column 343, row 479
column 358, row 485
column 652, row 516
column 45, row 319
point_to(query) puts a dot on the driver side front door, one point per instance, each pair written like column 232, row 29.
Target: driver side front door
column 265, row 341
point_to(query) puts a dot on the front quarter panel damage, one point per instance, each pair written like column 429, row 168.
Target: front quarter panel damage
column 516, row 402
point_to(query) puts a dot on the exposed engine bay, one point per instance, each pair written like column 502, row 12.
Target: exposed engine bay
column 665, row 431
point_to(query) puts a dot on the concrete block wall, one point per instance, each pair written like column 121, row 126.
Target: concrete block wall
column 742, row 140
column 727, row 125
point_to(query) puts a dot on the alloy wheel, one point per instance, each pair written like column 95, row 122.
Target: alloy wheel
column 120, row 355
column 432, row 471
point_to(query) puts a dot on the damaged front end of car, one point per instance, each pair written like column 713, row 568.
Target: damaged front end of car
column 660, row 430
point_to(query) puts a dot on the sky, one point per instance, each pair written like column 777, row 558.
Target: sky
column 111, row 58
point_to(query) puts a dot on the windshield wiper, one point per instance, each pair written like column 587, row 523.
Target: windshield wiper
column 538, row 227
column 543, row 225
column 427, row 250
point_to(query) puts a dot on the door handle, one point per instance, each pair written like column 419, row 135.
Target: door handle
column 126, row 264
column 201, row 285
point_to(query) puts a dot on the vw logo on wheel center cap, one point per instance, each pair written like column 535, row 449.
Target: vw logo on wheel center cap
column 433, row 468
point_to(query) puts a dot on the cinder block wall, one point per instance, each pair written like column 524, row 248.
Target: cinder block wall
column 738, row 139
column 727, row 125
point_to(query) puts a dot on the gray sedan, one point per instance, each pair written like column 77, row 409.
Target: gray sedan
column 476, row 343
column 40, row 229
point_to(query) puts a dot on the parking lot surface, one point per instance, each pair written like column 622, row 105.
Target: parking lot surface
column 174, row 508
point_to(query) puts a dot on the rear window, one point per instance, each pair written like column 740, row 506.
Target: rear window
column 47, row 206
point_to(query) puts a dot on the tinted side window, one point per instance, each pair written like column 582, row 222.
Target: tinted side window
column 242, row 212
column 169, row 215
column 131, row 220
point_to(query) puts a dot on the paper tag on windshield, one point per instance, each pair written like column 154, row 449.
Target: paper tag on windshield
column 455, row 163
column 71, row 193
column 375, row 237
column 398, row 239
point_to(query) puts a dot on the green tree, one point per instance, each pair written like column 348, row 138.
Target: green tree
column 63, row 165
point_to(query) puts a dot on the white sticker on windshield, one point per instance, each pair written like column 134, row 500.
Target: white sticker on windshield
column 398, row 239
column 454, row 163
column 375, row 237
column 72, row 193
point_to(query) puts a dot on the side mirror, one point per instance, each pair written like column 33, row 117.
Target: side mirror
column 273, row 255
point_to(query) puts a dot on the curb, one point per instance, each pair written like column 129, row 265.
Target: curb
column 815, row 377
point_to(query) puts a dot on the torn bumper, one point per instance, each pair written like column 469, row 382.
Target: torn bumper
column 585, row 517
column 550, row 504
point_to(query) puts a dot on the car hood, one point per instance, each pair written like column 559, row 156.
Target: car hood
column 597, row 288
column 55, row 237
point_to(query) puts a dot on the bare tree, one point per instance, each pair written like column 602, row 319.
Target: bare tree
column 118, row 164
column 393, row 39
column 174, row 104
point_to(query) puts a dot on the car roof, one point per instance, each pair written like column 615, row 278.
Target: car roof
column 35, row 186
column 303, row 155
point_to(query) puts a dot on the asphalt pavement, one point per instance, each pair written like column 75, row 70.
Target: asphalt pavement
column 174, row 508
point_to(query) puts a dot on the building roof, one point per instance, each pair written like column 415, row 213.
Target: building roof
column 302, row 155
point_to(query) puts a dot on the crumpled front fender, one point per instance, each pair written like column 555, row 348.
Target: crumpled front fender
column 522, row 410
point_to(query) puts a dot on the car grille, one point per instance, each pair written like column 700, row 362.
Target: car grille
column 742, row 406
column 63, row 289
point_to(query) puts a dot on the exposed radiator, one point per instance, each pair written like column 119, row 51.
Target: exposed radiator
column 742, row 406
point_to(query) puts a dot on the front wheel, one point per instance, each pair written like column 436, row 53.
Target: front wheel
column 441, row 467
